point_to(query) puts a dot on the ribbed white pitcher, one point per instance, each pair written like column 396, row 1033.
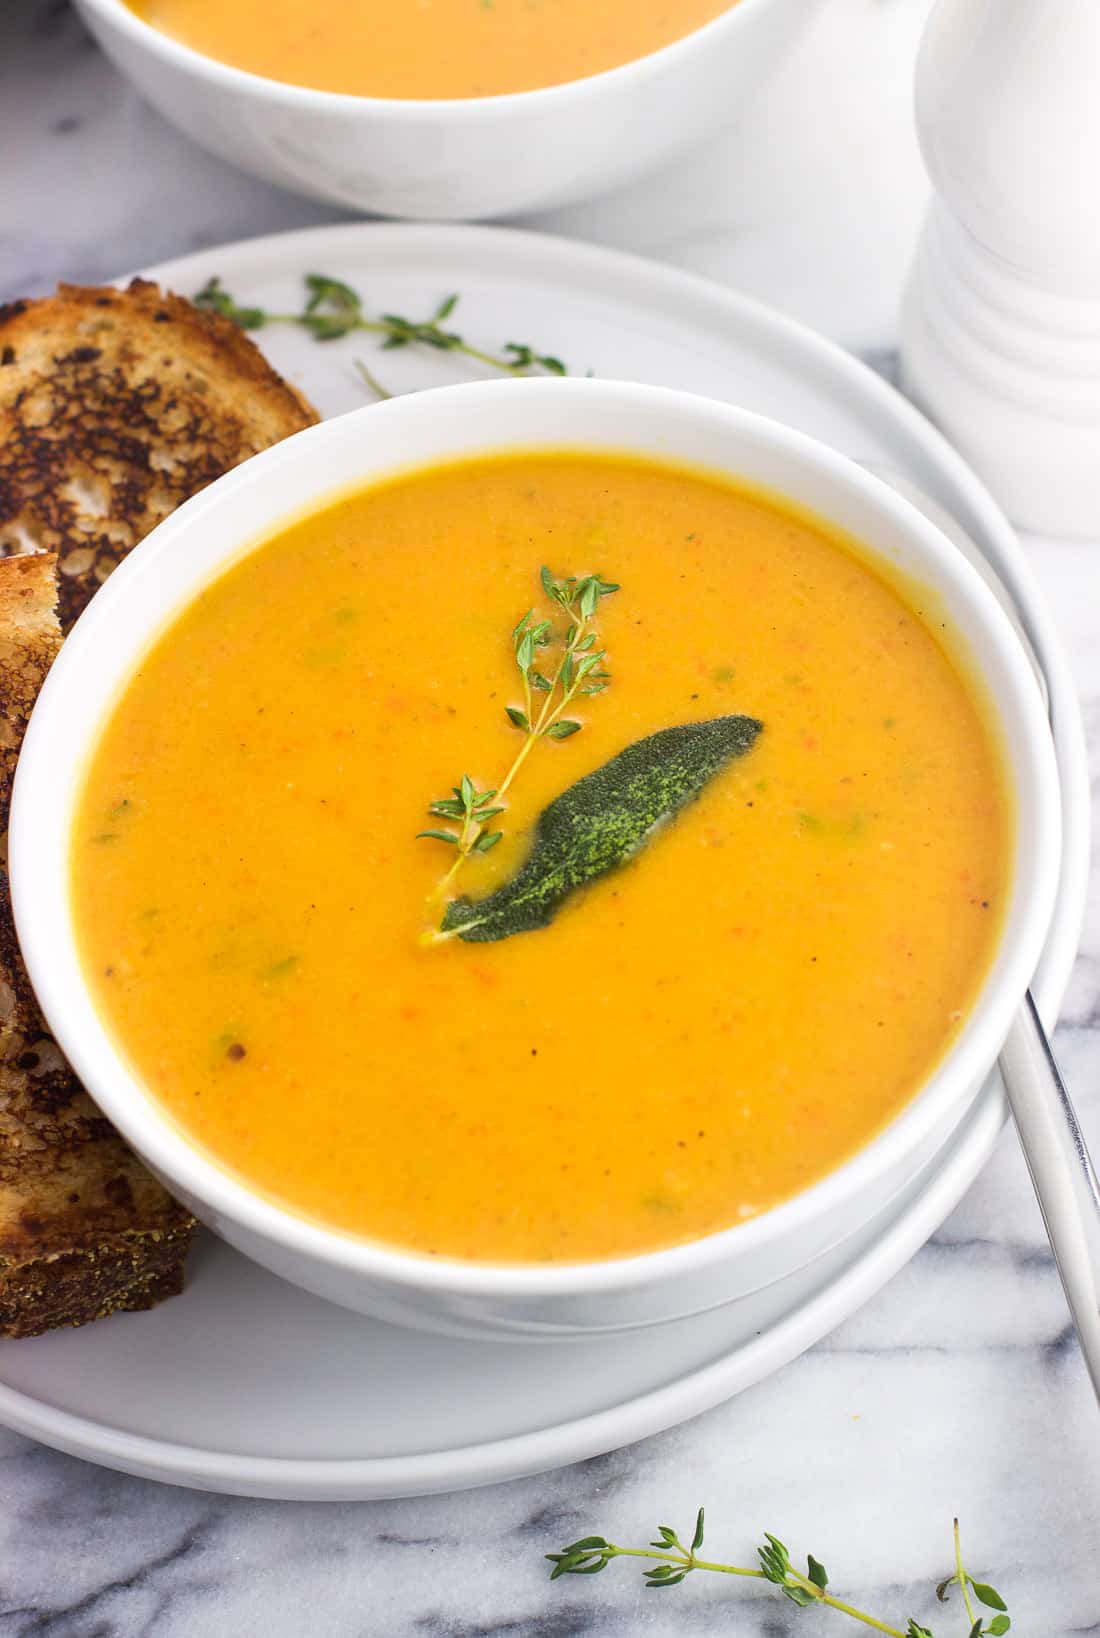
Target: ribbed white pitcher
column 1001, row 319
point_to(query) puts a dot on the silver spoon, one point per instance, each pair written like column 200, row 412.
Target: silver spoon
column 1061, row 1171
column 1057, row 1156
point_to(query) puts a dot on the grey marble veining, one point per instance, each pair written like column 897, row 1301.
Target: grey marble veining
column 958, row 1389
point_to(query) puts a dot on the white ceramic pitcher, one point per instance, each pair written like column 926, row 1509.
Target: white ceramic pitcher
column 1001, row 320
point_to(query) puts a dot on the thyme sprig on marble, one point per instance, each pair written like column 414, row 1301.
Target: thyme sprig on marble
column 558, row 661
column 332, row 310
column 671, row 1562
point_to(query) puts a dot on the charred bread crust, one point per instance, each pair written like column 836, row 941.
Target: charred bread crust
column 84, row 1229
column 115, row 407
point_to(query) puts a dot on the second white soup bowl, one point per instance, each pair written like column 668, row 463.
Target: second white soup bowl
column 452, row 159
column 236, row 514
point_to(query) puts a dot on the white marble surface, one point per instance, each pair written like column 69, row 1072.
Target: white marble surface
column 957, row 1389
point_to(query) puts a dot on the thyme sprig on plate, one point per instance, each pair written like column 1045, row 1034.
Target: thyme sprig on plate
column 558, row 662
column 332, row 310
column 671, row 1562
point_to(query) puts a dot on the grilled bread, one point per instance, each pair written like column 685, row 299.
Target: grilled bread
column 84, row 1229
column 116, row 406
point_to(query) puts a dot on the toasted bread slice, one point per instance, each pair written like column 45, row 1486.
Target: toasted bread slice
column 84, row 1228
column 116, row 406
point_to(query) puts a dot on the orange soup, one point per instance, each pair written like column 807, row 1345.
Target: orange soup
column 428, row 48
column 378, row 1029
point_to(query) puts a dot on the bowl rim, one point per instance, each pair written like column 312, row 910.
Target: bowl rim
column 100, row 1063
column 415, row 110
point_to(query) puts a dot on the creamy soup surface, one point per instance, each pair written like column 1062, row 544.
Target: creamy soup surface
column 428, row 48
column 698, row 1034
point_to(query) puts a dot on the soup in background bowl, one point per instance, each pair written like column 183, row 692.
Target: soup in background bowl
column 449, row 154
column 404, row 48
column 643, row 1081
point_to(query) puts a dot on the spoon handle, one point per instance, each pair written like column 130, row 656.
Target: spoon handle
column 1061, row 1171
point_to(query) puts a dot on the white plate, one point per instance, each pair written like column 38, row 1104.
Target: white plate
column 250, row 1386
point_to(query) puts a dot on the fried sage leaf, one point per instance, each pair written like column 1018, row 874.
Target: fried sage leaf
column 602, row 821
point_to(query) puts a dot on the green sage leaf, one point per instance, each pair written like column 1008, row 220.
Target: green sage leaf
column 603, row 821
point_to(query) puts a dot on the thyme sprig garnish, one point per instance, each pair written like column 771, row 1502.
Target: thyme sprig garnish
column 580, row 669
column 333, row 310
column 672, row 1562
column 470, row 807
column 558, row 662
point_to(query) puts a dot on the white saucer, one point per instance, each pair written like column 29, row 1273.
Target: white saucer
column 249, row 1386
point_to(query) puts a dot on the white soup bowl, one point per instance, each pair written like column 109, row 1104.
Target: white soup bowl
column 235, row 515
column 458, row 158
